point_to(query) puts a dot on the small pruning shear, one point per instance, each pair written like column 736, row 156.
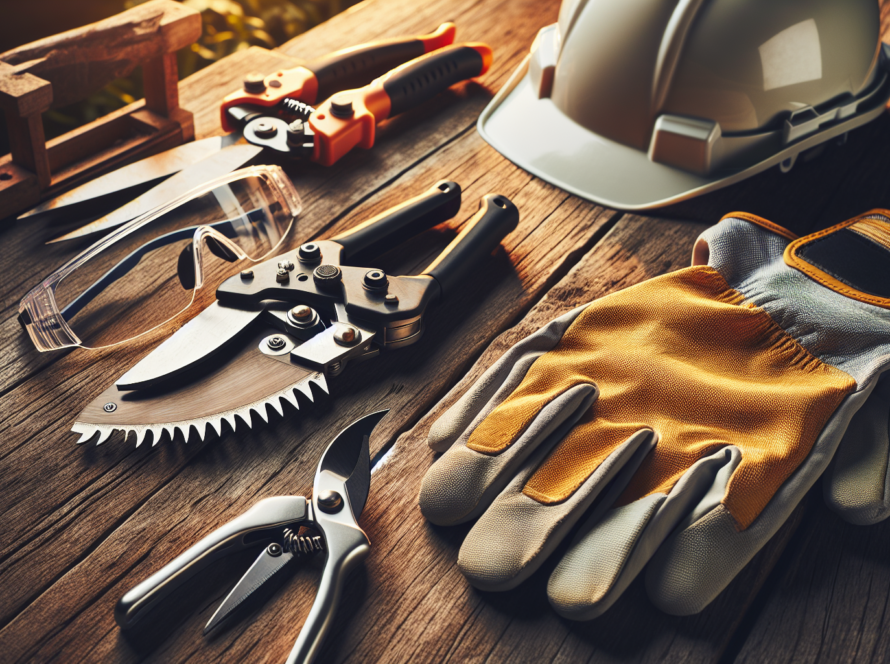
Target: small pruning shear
column 339, row 494
column 358, row 87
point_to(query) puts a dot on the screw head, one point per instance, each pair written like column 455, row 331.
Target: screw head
column 274, row 549
column 391, row 298
column 286, row 265
column 254, row 83
column 275, row 342
column 110, row 407
column 246, row 274
column 282, row 275
column 265, row 128
column 330, row 502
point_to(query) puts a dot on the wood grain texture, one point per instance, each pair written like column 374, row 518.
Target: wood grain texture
column 84, row 524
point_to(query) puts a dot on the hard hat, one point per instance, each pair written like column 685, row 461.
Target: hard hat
column 641, row 103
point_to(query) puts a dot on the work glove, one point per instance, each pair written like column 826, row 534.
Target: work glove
column 685, row 417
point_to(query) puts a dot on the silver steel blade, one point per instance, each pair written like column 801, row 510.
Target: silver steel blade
column 261, row 571
column 219, row 163
column 194, row 343
column 348, row 456
column 145, row 171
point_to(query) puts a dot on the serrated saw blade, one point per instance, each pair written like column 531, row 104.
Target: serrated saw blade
column 248, row 383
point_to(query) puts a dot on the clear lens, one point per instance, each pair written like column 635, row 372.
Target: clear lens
column 149, row 273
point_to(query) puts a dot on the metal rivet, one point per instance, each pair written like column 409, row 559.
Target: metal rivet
column 391, row 298
column 254, row 83
column 282, row 275
column 309, row 253
column 286, row 265
column 265, row 129
column 110, row 407
column 375, row 280
column 329, row 502
column 247, row 274
column 276, row 342
column 301, row 312
column 274, row 550
column 345, row 335
column 342, row 108
column 274, row 83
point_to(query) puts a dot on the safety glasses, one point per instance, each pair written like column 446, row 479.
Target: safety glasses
column 149, row 271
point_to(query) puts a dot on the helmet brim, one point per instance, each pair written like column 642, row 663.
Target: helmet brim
column 539, row 138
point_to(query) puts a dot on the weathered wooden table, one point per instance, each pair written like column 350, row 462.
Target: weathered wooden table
column 81, row 525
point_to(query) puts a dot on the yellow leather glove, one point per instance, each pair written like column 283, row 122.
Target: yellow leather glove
column 687, row 415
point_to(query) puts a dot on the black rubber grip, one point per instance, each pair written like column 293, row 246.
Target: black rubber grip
column 356, row 68
column 396, row 225
column 497, row 216
column 423, row 80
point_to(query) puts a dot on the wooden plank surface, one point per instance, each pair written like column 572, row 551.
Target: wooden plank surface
column 84, row 524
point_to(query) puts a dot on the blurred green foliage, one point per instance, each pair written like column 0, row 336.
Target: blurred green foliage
column 229, row 26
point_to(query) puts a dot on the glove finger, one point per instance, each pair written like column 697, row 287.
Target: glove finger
column 517, row 533
column 705, row 553
column 857, row 483
column 610, row 550
column 497, row 383
column 463, row 482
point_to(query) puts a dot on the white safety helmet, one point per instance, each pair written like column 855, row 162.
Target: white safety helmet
column 641, row 103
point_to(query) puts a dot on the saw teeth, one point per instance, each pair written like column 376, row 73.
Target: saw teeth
column 88, row 430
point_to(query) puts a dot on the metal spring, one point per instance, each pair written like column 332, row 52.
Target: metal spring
column 291, row 110
column 301, row 545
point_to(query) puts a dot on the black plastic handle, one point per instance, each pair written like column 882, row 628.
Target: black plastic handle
column 397, row 224
column 356, row 67
column 420, row 81
column 497, row 216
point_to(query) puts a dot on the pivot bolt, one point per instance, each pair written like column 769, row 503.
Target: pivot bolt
column 286, row 265
column 342, row 109
column 309, row 253
column 326, row 276
column 275, row 342
column 246, row 274
column 274, row 550
column 330, row 502
column 282, row 275
column 254, row 84
column 265, row 128
column 110, row 407
column 345, row 335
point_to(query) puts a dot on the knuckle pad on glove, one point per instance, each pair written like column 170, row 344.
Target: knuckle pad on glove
column 464, row 481
column 517, row 533
column 608, row 553
column 497, row 382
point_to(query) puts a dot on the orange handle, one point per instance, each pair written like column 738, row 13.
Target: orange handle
column 342, row 70
column 349, row 119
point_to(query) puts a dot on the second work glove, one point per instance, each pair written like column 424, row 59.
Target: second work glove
column 684, row 418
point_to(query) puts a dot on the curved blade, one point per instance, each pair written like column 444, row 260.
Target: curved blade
column 348, row 457
column 263, row 568
column 247, row 382
column 221, row 162
column 196, row 342
column 96, row 192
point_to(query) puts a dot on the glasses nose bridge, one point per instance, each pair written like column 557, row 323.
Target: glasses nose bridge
column 200, row 246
